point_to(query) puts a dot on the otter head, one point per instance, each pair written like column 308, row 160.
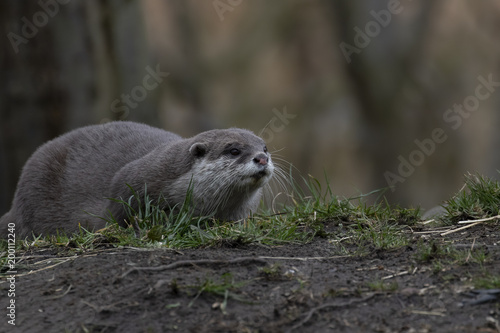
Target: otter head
column 229, row 169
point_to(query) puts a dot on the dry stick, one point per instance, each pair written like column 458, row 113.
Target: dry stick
column 303, row 258
column 109, row 307
column 327, row 305
column 62, row 261
column 428, row 232
column 394, row 275
column 181, row 263
column 42, row 269
column 260, row 259
column 428, row 313
column 461, row 228
column 470, row 251
column 340, row 240
column 480, row 220
column 63, row 294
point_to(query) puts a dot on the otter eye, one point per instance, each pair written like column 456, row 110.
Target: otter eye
column 265, row 149
column 235, row 151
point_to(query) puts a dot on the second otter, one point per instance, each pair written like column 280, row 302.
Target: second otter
column 67, row 181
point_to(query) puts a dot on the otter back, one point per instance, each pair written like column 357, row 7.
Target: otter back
column 70, row 176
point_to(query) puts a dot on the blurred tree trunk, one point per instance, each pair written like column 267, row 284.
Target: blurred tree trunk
column 65, row 73
column 31, row 98
column 124, row 58
column 378, row 86
column 186, row 86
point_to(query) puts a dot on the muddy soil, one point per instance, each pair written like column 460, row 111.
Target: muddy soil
column 255, row 288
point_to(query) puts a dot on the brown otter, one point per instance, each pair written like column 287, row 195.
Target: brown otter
column 68, row 181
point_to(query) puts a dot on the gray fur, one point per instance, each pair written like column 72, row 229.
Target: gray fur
column 75, row 174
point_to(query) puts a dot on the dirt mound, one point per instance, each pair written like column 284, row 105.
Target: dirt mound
column 253, row 288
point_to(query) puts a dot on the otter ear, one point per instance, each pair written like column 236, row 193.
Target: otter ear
column 198, row 149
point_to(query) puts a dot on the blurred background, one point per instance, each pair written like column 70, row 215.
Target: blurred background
column 372, row 94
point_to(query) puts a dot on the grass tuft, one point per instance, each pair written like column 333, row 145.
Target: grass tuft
column 227, row 288
column 380, row 285
column 314, row 211
column 480, row 198
column 487, row 282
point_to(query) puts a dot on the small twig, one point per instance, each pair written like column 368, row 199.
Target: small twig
column 42, row 269
column 49, row 260
column 434, row 230
column 110, row 307
column 394, row 275
column 328, row 305
column 493, row 321
column 427, row 232
column 428, row 313
column 475, row 245
column 278, row 214
column 260, row 259
column 137, row 229
column 461, row 228
column 470, row 251
column 480, row 220
column 340, row 240
column 63, row 294
column 303, row 258
column 181, row 263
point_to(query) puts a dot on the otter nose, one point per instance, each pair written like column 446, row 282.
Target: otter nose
column 261, row 159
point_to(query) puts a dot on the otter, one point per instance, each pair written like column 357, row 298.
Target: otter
column 69, row 181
